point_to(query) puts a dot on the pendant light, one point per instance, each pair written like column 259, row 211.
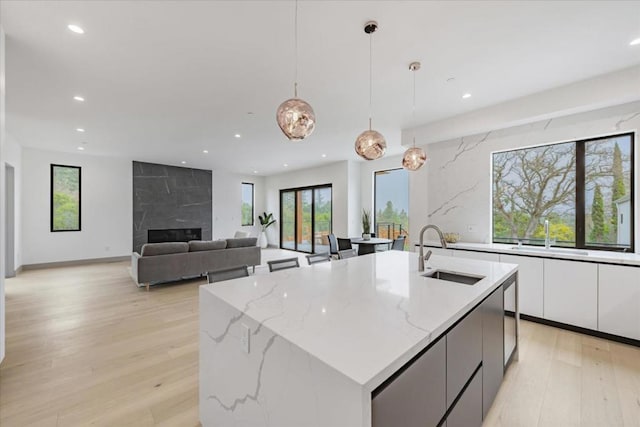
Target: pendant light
column 414, row 157
column 370, row 144
column 295, row 116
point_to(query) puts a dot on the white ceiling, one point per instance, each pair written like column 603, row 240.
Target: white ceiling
column 164, row 80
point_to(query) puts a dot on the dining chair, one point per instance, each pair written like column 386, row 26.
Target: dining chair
column 318, row 258
column 344, row 244
column 398, row 244
column 347, row 253
column 333, row 244
column 227, row 274
column 366, row 249
column 283, row 264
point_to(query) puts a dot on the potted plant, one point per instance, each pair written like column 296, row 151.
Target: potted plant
column 265, row 221
column 366, row 224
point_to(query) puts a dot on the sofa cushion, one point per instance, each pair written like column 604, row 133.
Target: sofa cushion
column 242, row 242
column 206, row 245
column 152, row 249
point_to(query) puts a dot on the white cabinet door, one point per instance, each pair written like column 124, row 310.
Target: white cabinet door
column 530, row 282
column 619, row 300
column 484, row 256
column 571, row 293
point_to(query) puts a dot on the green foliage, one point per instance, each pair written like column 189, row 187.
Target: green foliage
column 598, row 230
column 247, row 213
column 618, row 189
column 66, row 198
column 366, row 221
column 266, row 220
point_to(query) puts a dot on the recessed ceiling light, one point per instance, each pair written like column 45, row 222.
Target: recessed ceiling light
column 237, row 135
column 285, row 165
column 324, row 155
column 81, row 148
column 76, row 29
column 79, row 129
column 78, row 98
column 183, row 162
column 635, row 42
column 466, row 96
column 205, row 151
column 255, row 171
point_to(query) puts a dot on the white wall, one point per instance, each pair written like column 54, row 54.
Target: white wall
column 458, row 177
column 227, row 203
column 616, row 88
column 2, row 234
column 106, row 206
column 13, row 157
column 336, row 174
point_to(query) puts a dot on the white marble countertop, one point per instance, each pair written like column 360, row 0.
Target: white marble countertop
column 557, row 253
column 364, row 316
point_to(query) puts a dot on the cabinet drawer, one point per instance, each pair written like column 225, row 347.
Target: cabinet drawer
column 530, row 283
column 468, row 410
column 416, row 397
column 464, row 353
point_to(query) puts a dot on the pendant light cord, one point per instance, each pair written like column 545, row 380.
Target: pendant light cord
column 413, row 110
column 295, row 38
column 370, row 78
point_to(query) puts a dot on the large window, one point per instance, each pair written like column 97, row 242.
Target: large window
column 305, row 219
column 65, row 198
column 583, row 188
column 247, row 204
column 391, row 203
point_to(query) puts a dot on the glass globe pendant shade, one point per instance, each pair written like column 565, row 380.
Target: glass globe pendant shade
column 296, row 119
column 413, row 158
column 370, row 145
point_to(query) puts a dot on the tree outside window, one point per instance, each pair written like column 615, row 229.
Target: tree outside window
column 583, row 188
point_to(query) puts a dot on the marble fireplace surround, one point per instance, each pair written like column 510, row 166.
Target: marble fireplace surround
column 170, row 197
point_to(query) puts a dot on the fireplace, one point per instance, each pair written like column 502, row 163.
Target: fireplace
column 174, row 235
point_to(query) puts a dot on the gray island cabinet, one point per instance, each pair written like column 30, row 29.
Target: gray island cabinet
column 360, row 342
column 454, row 381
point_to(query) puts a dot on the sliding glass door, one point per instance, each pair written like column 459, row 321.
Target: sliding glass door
column 305, row 218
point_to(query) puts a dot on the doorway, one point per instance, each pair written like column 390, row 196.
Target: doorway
column 305, row 218
column 10, row 270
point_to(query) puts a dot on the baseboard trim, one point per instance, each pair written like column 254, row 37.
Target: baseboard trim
column 74, row 263
column 591, row 332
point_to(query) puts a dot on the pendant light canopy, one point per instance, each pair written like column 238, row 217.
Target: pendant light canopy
column 414, row 157
column 370, row 144
column 295, row 116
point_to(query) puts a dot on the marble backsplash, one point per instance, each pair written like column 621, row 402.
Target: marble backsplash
column 458, row 175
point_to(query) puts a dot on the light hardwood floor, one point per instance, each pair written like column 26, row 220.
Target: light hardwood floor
column 86, row 347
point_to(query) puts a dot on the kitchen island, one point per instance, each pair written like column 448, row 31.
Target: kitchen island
column 345, row 343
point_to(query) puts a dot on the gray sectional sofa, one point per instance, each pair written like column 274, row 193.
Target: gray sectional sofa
column 162, row 262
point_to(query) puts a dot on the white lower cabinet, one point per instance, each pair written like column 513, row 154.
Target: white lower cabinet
column 484, row 256
column 571, row 293
column 619, row 300
column 530, row 283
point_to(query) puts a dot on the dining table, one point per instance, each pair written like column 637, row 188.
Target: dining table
column 374, row 241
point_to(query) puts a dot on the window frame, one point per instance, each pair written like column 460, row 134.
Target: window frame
column 295, row 190
column 374, row 224
column 53, row 166
column 580, row 202
column 253, row 205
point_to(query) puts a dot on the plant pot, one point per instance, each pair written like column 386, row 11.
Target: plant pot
column 264, row 242
column 366, row 236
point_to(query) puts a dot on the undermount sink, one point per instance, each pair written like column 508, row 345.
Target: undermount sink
column 550, row 250
column 452, row 276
